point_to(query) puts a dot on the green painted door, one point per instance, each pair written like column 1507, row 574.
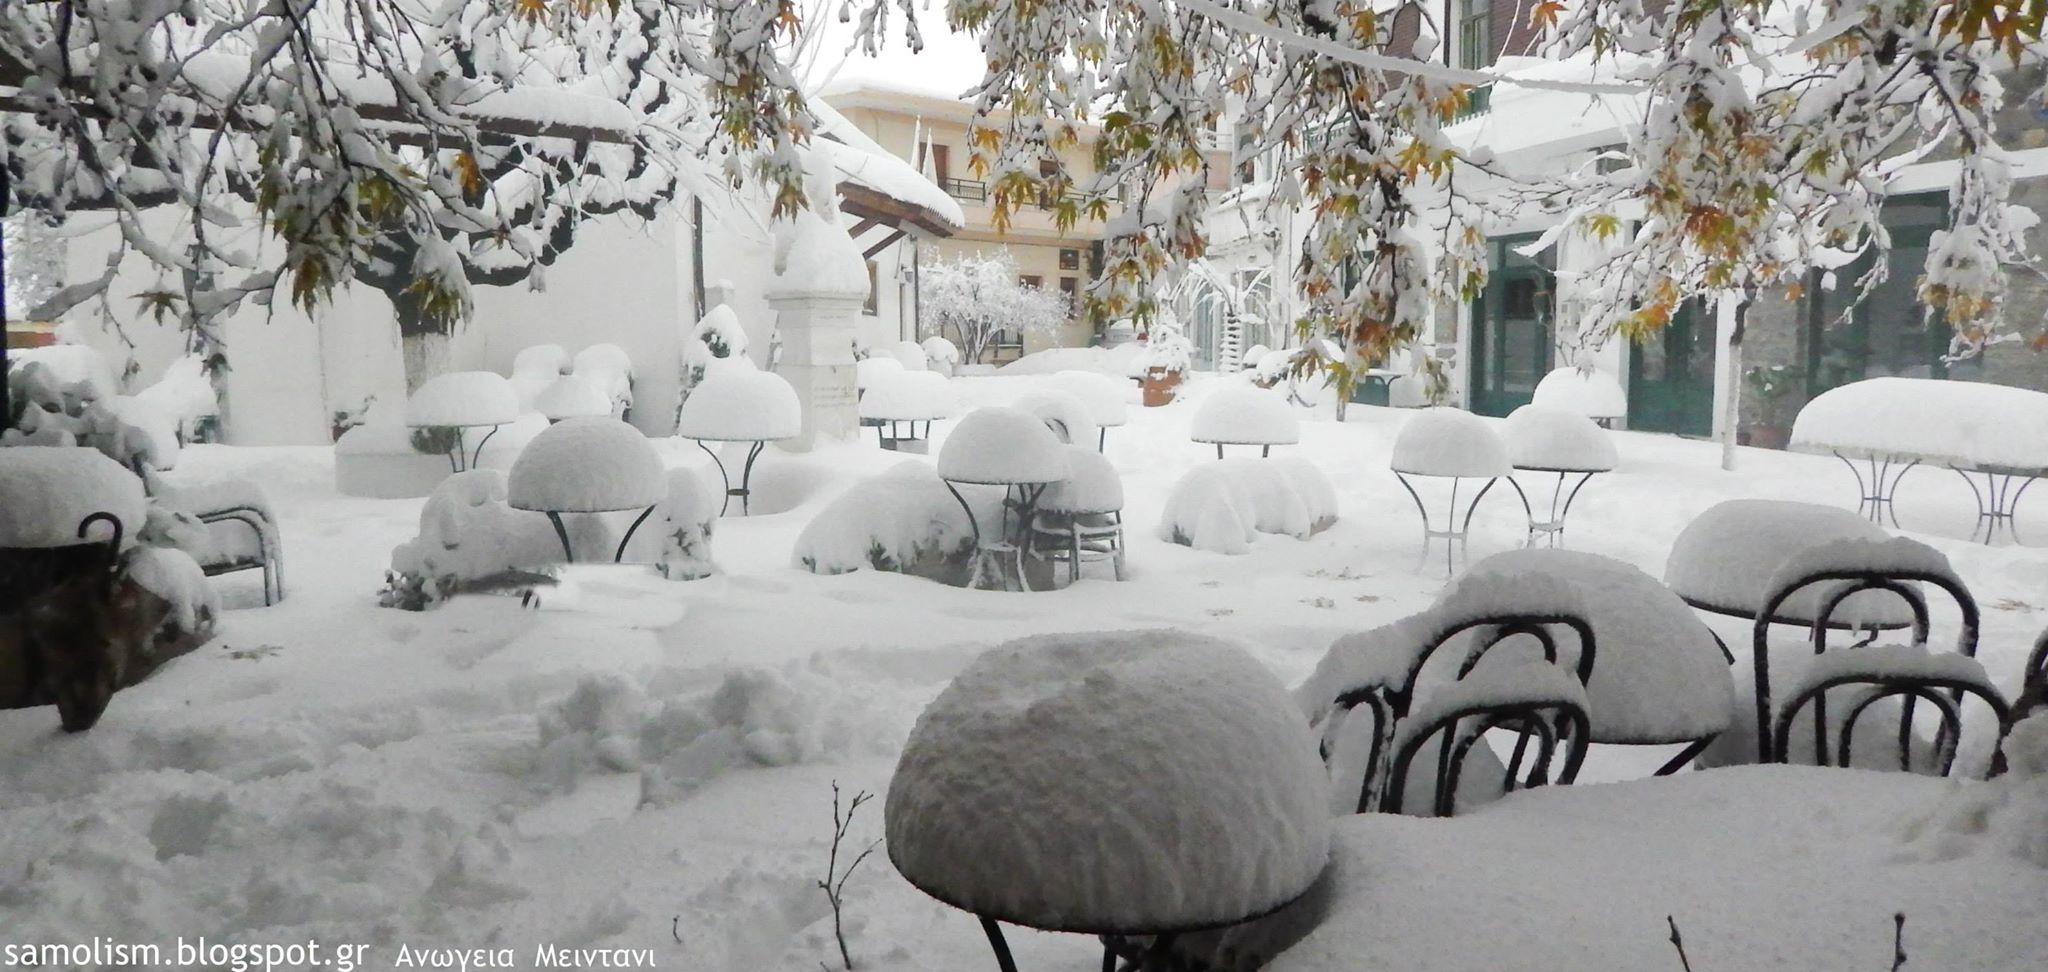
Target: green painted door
column 1671, row 375
column 1511, row 328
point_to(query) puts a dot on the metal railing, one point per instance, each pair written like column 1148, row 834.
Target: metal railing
column 965, row 190
column 1478, row 101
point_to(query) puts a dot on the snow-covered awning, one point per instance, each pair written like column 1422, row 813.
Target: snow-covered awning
column 878, row 187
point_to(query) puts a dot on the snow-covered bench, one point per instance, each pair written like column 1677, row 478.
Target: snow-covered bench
column 1894, row 425
column 241, row 528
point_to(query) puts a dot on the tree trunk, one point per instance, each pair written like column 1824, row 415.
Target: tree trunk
column 426, row 355
column 1731, row 409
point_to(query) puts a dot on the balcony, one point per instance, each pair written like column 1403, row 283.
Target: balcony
column 965, row 190
column 1478, row 101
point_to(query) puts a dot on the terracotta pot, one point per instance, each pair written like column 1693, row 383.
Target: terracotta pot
column 1769, row 436
column 1159, row 384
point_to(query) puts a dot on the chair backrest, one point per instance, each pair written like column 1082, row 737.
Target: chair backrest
column 1841, row 570
column 1559, row 726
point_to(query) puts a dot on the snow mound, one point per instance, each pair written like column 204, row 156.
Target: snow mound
column 1001, row 445
column 940, row 354
column 135, row 432
column 821, row 261
column 468, row 532
column 1540, row 437
column 1062, row 411
column 1728, row 557
column 610, row 367
column 721, row 332
column 1658, row 676
column 1406, row 391
column 1107, row 398
column 1250, row 358
column 587, row 465
column 873, row 368
column 739, row 405
column 1593, row 393
column 535, row 368
column 50, row 490
column 1179, row 750
column 1449, row 442
column 1123, row 361
column 184, row 395
column 911, row 355
column 1965, row 423
column 2006, row 816
column 76, row 369
column 1092, row 485
column 573, row 396
column 1245, row 415
column 910, row 395
column 896, row 521
column 174, row 576
column 691, row 510
column 463, row 398
column 1221, row 506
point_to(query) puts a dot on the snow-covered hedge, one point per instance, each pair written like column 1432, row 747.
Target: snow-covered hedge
column 691, row 512
column 903, row 520
column 467, row 533
column 1222, row 506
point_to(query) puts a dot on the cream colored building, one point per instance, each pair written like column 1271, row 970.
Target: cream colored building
column 906, row 122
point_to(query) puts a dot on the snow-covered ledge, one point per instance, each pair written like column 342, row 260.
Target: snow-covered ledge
column 817, row 296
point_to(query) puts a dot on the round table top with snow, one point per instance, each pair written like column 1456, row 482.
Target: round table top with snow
column 1104, row 396
column 463, row 398
column 1594, row 394
column 573, row 396
column 1245, row 416
column 1973, row 425
column 1134, row 782
column 1549, row 439
column 587, row 465
column 1658, row 674
column 47, row 492
column 741, row 404
column 1000, row 446
column 875, row 367
column 1447, row 441
column 1726, row 558
column 907, row 396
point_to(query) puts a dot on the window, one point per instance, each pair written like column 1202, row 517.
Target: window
column 1247, row 158
column 1070, row 288
column 1070, row 259
column 873, row 306
column 1890, row 332
column 941, row 163
column 1031, row 280
column 1475, row 33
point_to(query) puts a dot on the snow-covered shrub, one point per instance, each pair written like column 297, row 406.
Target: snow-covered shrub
column 1167, row 346
column 467, row 533
column 940, row 354
column 1221, row 506
column 903, row 520
column 691, row 512
column 184, row 396
column 609, row 366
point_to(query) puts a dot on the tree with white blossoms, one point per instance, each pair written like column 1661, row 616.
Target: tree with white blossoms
column 252, row 148
column 974, row 298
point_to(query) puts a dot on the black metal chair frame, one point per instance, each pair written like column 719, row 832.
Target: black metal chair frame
column 1850, row 582
column 1998, row 502
column 886, row 431
column 745, row 489
column 1878, row 687
column 1551, row 722
column 271, row 561
column 1024, row 504
column 1874, row 495
column 562, row 532
column 1390, row 704
column 1265, row 448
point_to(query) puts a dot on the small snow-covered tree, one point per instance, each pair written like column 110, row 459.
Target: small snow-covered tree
column 977, row 297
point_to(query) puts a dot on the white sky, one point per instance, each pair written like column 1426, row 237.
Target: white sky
column 949, row 64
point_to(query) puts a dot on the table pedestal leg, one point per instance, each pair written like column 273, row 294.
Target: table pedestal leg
column 1997, row 502
column 568, row 555
column 994, row 932
column 1454, row 538
column 1874, row 495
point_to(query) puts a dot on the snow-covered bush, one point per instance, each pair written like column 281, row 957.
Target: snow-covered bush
column 903, row 520
column 467, row 533
column 1221, row 506
column 940, row 354
column 1167, row 346
column 610, row 367
column 185, row 397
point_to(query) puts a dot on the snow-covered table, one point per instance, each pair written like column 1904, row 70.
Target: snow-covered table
column 895, row 400
column 463, row 400
column 1104, row 397
column 1723, row 561
column 1547, row 440
column 740, row 405
column 595, row 464
column 1895, row 424
column 1132, row 783
column 1760, row 868
column 1451, row 444
column 1245, row 416
column 1013, row 449
column 1591, row 392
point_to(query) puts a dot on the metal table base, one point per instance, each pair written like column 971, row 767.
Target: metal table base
column 1454, row 539
column 1998, row 502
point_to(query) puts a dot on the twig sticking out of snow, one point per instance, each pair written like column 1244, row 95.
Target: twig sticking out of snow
column 834, row 884
column 1898, row 941
column 1678, row 943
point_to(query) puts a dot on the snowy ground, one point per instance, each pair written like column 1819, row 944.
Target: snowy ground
column 648, row 765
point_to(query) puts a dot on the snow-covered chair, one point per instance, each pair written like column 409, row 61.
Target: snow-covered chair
column 1245, row 416
column 1548, row 440
column 1081, row 517
column 610, row 366
column 1908, row 673
column 241, row 529
column 1415, row 692
column 1104, row 396
column 1453, row 444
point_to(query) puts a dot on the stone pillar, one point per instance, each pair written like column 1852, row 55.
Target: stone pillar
column 817, row 296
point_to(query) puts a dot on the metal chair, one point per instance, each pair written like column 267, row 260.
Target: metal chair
column 1080, row 518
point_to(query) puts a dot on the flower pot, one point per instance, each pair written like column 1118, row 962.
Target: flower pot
column 1769, row 436
column 1159, row 384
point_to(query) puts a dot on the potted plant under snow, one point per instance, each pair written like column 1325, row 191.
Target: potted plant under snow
column 1773, row 385
column 1168, row 356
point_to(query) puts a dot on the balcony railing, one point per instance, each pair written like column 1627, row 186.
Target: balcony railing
column 1478, row 101
column 965, row 190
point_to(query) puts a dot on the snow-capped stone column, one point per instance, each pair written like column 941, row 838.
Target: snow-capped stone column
column 817, row 299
